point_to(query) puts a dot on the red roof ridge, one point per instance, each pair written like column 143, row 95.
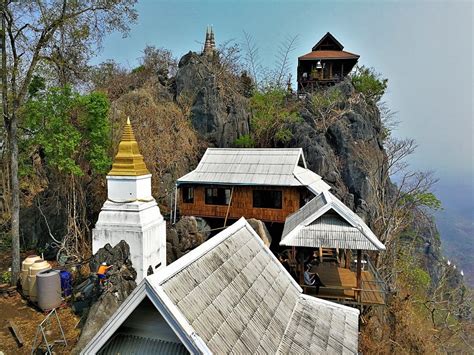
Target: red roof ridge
column 329, row 54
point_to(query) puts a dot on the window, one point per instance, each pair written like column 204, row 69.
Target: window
column 217, row 196
column 267, row 199
column 188, row 195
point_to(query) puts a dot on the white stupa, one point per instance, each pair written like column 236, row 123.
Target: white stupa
column 130, row 212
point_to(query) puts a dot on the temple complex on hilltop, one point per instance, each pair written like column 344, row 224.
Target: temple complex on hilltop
column 326, row 64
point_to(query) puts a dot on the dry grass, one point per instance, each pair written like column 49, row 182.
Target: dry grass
column 165, row 136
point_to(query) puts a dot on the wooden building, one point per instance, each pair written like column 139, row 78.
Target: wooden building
column 330, row 240
column 266, row 184
column 326, row 64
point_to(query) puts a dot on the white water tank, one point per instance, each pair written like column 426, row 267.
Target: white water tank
column 48, row 286
column 38, row 266
column 25, row 266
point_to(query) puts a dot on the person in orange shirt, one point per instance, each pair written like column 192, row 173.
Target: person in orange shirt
column 102, row 272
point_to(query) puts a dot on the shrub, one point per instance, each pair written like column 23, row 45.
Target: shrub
column 369, row 83
column 271, row 115
column 244, row 141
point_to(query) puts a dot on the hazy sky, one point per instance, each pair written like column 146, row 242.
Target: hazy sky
column 424, row 48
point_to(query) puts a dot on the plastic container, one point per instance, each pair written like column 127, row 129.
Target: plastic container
column 66, row 283
column 48, row 286
column 38, row 266
column 25, row 266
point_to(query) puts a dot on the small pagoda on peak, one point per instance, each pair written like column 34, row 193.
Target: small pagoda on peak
column 210, row 42
column 326, row 64
column 130, row 212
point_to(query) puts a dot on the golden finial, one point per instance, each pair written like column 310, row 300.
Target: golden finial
column 128, row 161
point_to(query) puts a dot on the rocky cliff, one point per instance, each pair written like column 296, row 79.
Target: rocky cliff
column 333, row 148
column 218, row 112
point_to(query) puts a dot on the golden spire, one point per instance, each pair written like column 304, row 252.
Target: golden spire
column 128, row 161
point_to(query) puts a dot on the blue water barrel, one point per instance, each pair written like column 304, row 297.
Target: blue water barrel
column 66, row 283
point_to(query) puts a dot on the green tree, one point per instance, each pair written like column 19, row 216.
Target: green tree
column 271, row 115
column 58, row 36
column 71, row 130
column 370, row 83
column 71, row 134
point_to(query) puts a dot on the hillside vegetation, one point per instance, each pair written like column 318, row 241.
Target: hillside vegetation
column 178, row 108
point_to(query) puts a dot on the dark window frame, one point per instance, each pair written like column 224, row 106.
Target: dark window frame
column 217, row 195
column 272, row 200
column 188, row 194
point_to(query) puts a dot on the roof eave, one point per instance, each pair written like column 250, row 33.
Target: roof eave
column 329, row 58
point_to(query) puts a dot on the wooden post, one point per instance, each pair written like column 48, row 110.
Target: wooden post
column 347, row 258
column 342, row 71
column 228, row 206
column 359, row 270
column 176, row 202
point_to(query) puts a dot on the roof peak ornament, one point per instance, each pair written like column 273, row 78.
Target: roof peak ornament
column 128, row 161
column 209, row 44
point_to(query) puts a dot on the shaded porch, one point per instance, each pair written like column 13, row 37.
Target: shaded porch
column 340, row 285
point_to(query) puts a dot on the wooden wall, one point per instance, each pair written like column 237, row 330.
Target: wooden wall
column 242, row 205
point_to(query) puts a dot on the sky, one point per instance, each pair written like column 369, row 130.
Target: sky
column 424, row 48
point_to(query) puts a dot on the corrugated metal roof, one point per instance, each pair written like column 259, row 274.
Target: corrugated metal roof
column 312, row 227
column 311, row 180
column 310, row 321
column 231, row 295
column 238, row 298
column 330, row 231
column 314, row 55
column 132, row 344
column 305, row 212
column 267, row 166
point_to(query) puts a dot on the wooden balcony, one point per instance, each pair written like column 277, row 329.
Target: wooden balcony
column 340, row 284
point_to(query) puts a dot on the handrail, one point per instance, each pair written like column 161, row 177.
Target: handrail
column 375, row 273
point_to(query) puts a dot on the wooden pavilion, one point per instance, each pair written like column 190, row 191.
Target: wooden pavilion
column 326, row 235
column 326, row 64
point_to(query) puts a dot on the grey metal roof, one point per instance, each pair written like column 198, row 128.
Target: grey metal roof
column 312, row 226
column 330, row 231
column 238, row 298
column 305, row 212
column 132, row 344
column 309, row 331
column 252, row 166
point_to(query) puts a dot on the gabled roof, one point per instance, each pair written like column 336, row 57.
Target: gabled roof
column 254, row 166
column 333, row 39
column 326, row 222
column 324, row 55
column 231, row 294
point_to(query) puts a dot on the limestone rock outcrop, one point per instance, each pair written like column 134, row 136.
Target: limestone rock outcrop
column 261, row 230
column 344, row 148
column 218, row 114
column 101, row 302
column 188, row 233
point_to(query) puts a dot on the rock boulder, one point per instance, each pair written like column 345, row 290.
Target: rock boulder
column 101, row 302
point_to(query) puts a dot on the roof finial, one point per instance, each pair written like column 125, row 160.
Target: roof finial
column 207, row 43
column 212, row 39
column 128, row 119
